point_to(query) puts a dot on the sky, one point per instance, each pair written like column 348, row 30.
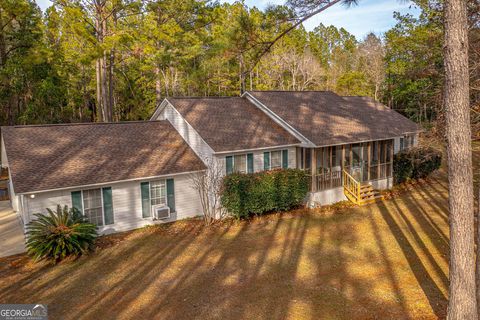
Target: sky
column 368, row 16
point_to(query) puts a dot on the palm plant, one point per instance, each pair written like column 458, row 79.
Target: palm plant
column 58, row 234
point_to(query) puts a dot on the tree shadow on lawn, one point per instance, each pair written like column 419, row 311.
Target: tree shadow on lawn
column 300, row 267
column 425, row 265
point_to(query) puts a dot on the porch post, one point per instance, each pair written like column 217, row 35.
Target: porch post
column 379, row 155
column 313, row 167
column 392, row 144
column 368, row 160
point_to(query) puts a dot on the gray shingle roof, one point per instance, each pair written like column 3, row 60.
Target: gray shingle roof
column 232, row 123
column 60, row 156
column 326, row 118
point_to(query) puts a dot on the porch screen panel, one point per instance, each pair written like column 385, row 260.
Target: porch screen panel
column 328, row 161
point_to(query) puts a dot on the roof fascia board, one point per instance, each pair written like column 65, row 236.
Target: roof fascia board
column 278, row 120
column 159, row 109
column 191, row 127
column 257, row 149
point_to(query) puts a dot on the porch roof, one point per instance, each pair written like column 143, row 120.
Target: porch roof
column 326, row 118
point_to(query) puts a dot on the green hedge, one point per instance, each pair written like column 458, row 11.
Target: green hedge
column 258, row 193
column 415, row 163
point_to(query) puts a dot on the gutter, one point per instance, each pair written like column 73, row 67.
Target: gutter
column 257, row 149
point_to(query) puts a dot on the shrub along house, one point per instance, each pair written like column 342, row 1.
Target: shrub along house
column 126, row 175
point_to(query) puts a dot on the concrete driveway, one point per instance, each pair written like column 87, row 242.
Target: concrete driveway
column 12, row 239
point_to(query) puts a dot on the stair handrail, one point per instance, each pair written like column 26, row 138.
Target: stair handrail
column 351, row 185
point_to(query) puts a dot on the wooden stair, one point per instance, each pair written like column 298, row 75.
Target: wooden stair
column 368, row 194
column 359, row 193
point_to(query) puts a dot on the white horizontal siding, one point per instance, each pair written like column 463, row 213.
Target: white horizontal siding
column 258, row 158
column 127, row 204
column 186, row 131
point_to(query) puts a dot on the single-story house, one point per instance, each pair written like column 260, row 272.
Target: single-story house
column 116, row 174
column 126, row 175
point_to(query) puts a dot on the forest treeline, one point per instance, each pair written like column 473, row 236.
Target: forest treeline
column 111, row 60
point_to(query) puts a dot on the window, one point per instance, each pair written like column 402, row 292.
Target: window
column 158, row 193
column 95, row 204
column 275, row 159
column 407, row 142
column 240, row 163
column 92, row 204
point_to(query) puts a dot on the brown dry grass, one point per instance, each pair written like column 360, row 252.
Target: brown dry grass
column 386, row 260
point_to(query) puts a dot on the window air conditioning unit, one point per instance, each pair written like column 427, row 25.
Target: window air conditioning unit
column 161, row 212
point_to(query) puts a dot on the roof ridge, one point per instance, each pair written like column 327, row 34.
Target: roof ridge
column 81, row 124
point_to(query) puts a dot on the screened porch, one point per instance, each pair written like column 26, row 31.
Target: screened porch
column 366, row 161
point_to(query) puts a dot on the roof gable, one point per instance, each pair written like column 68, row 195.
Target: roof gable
column 62, row 156
column 232, row 123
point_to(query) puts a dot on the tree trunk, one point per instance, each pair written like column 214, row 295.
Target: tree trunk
column 158, row 85
column 478, row 254
column 111, row 84
column 98, row 71
column 107, row 114
column 462, row 296
column 241, row 74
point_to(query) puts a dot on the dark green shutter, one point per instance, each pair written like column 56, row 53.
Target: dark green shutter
column 171, row 195
column 107, row 205
column 77, row 201
column 285, row 159
column 229, row 164
column 250, row 162
column 266, row 161
column 146, row 208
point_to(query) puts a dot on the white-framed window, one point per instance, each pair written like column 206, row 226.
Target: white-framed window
column 93, row 206
column 158, row 193
column 407, row 142
column 275, row 159
column 240, row 163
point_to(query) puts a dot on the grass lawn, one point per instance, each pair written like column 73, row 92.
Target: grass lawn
column 385, row 260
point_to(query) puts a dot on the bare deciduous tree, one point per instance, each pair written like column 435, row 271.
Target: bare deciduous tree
column 208, row 184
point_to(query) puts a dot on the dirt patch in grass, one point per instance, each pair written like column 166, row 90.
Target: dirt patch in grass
column 384, row 260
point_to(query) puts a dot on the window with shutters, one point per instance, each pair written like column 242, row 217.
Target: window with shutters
column 275, row 159
column 240, row 163
column 158, row 193
column 93, row 206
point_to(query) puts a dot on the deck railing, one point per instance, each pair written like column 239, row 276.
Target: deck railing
column 328, row 180
column 351, row 186
column 380, row 171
